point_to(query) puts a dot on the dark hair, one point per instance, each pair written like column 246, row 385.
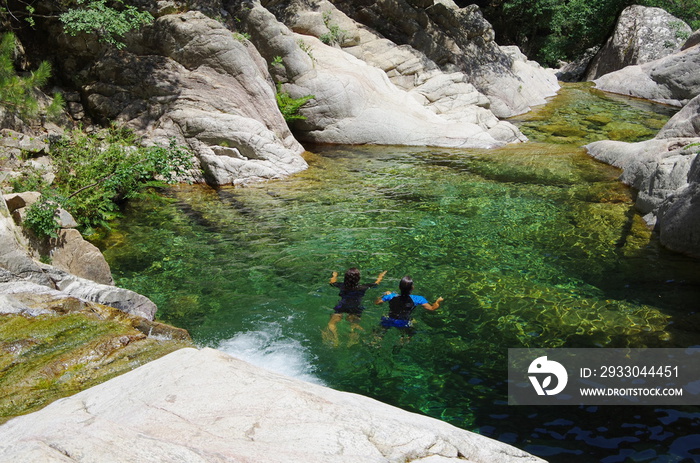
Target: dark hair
column 406, row 285
column 352, row 278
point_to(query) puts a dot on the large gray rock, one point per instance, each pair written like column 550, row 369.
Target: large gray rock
column 666, row 173
column 672, row 80
column 685, row 123
column 122, row 299
column 30, row 299
column 15, row 262
column 446, row 94
column 642, row 35
column 190, row 78
column 354, row 102
column 205, row 406
column 679, row 219
column 458, row 40
column 72, row 253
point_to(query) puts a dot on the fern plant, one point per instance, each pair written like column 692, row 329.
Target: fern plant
column 289, row 107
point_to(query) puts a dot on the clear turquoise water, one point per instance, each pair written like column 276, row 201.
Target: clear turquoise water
column 530, row 245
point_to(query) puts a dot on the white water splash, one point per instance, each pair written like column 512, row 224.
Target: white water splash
column 268, row 348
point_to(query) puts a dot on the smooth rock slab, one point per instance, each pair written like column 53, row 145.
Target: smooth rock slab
column 672, row 80
column 205, row 406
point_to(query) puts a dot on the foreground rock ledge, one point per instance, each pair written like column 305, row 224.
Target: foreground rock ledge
column 205, row 406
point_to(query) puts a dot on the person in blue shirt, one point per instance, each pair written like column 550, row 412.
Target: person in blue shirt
column 401, row 305
column 350, row 304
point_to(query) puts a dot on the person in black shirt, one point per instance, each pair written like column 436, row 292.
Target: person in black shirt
column 350, row 304
column 401, row 306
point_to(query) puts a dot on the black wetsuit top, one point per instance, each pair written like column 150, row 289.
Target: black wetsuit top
column 401, row 307
column 351, row 300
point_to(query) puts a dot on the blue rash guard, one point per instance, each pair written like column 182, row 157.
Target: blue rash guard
column 400, row 309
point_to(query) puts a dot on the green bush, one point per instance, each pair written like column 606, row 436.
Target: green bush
column 335, row 34
column 109, row 24
column 289, row 107
column 42, row 218
column 95, row 173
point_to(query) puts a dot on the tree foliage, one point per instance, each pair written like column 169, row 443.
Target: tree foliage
column 17, row 93
column 552, row 30
column 108, row 20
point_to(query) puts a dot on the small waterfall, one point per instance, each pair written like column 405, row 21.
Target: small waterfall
column 267, row 347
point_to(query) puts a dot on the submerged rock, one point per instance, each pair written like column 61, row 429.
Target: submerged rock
column 203, row 405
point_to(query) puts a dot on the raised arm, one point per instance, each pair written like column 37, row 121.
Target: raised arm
column 334, row 278
column 380, row 277
column 380, row 299
column 434, row 305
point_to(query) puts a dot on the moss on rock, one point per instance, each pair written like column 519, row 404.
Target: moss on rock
column 50, row 356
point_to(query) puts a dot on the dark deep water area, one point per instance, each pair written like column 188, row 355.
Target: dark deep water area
column 531, row 245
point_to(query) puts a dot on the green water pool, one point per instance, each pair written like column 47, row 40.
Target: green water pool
column 530, row 245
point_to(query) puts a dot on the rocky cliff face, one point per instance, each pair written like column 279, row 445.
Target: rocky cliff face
column 458, row 40
column 642, row 35
column 435, row 78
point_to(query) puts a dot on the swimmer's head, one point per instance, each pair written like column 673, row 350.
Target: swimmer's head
column 406, row 285
column 352, row 277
